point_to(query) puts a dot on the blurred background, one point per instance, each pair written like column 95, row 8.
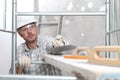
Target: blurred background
column 81, row 30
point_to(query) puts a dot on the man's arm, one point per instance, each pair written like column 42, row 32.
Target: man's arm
column 19, row 70
column 22, row 62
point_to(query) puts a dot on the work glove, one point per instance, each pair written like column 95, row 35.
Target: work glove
column 58, row 41
column 24, row 61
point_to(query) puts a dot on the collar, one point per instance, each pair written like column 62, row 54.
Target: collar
column 27, row 49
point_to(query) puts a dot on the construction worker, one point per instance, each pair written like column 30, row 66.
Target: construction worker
column 34, row 47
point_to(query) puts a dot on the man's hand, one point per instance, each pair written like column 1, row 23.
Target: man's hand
column 58, row 41
column 24, row 61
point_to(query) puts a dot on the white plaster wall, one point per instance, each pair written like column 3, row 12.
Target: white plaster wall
column 6, row 38
column 5, row 52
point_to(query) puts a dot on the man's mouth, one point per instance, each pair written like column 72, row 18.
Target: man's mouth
column 30, row 36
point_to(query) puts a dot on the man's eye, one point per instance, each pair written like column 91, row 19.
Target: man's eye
column 24, row 30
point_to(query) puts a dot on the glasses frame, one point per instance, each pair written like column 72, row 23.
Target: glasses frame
column 27, row 27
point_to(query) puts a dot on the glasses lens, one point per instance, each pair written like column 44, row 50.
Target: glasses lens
column 26, row 28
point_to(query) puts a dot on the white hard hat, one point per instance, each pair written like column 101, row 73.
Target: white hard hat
column 24, row 20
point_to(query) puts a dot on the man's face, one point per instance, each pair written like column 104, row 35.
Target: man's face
column 29, row 32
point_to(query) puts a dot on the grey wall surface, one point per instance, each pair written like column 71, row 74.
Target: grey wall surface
column 79, row 30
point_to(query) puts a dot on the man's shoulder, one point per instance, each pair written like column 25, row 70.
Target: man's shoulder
column 46, row 38
column 22, row 45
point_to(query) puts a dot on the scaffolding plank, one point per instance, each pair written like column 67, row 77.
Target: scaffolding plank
column 87, row 70
column 32, row 77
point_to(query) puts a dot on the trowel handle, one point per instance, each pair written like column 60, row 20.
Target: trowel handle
column 106, row 49
column 95, row 58
column 78, row 49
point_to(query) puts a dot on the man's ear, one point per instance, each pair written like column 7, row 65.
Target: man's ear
column 20, row 34
column 37, row 29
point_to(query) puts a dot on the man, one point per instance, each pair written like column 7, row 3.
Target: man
column 33, row 48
